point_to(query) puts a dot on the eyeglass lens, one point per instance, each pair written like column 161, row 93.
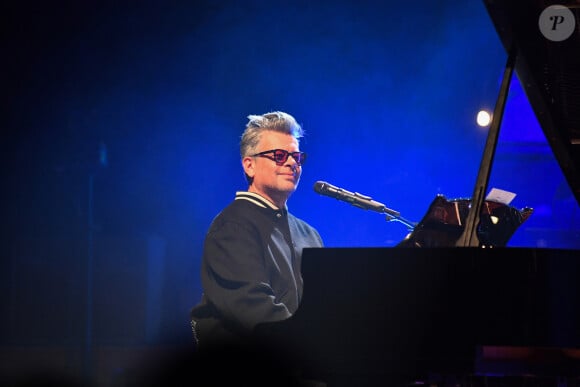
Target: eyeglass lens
column 281, row 156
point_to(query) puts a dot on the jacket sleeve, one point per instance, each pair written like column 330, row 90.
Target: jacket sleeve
column 235, row 278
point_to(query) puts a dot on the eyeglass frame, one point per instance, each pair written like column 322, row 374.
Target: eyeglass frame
column 299, row 157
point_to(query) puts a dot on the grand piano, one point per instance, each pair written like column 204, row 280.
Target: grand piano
column 451, row 304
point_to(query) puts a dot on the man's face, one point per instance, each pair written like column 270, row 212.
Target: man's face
column 275, row 182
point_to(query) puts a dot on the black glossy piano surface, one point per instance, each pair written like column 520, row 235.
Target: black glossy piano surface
column 414, row 312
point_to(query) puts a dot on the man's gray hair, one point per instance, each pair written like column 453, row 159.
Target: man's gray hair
column 276, row 121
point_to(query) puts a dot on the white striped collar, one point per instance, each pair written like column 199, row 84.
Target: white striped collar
column 256, row 199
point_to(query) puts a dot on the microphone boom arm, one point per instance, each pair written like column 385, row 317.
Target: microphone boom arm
column 366, row 202
column 361, row 201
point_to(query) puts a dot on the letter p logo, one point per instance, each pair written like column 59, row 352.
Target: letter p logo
column 557, row 23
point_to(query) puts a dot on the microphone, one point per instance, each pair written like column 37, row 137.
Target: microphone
column 354, row 198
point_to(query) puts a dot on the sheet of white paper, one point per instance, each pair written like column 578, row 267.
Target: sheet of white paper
column 500, row 196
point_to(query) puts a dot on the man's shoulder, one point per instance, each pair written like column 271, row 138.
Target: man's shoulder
column 239, row 207
column 237, row 211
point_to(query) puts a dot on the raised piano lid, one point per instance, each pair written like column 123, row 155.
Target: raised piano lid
column 549, row 72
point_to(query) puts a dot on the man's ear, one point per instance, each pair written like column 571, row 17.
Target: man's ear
column 248, row 164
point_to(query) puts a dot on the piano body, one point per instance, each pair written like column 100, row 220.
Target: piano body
column 447, row 301
column 370, row 314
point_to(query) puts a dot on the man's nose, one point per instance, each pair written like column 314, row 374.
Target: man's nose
column 293, row 164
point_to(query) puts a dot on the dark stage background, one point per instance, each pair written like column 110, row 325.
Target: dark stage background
column 120, row 131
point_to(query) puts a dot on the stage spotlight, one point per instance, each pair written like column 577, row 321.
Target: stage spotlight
column 483, row 118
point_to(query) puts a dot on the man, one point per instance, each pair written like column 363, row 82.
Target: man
column 252, row 251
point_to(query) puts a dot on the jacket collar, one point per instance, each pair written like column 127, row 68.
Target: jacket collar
column 256, row 199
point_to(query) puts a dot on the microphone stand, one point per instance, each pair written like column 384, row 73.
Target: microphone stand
column 361, row 201
column 397, row 218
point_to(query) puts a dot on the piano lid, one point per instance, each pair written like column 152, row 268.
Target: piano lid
column 548, row 67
